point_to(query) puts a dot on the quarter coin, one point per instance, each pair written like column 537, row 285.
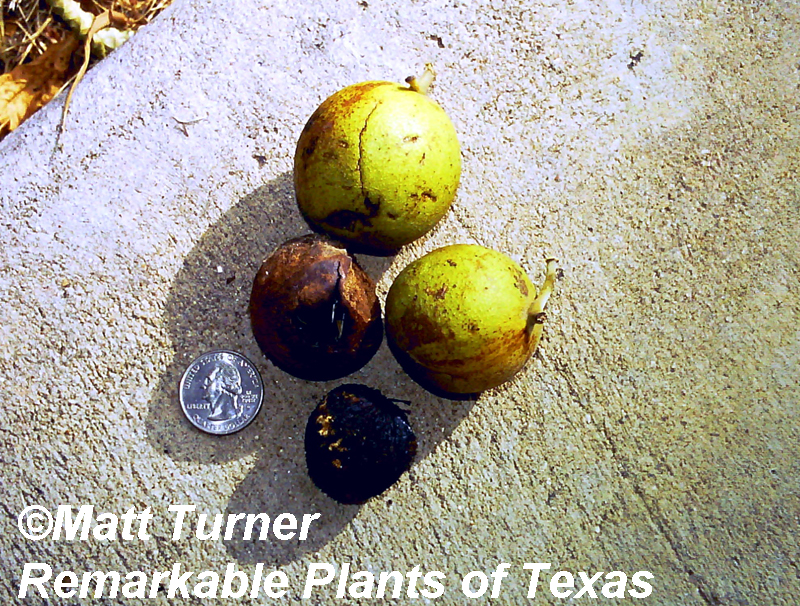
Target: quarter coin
column 221, row 392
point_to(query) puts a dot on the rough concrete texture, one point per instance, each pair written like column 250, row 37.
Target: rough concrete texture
column 652, row 147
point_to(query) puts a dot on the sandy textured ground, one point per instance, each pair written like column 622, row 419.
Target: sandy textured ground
column 653, row 147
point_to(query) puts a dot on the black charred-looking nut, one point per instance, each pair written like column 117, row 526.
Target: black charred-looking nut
column 314, row 311
column 358, row 443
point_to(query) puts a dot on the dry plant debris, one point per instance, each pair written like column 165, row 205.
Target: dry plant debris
column 29, row 86
column 41, row 47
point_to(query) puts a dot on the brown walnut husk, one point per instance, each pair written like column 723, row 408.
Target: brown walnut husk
column 314, row 310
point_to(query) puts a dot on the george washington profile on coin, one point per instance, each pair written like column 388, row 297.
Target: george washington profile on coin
column 222, row 388
column 221, row 392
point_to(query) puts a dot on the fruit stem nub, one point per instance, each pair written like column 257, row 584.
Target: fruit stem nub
column 422, row 83
column 536, row 310
column 546, row 290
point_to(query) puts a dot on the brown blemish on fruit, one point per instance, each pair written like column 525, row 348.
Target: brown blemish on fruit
column 437, row 294
column 519, row 282
column 373, row 206
column 428, row 196
column 350, row 220
column 312, row 145
column 422, row 330
column 313, row 132
column 356, row 93
column 491, row 354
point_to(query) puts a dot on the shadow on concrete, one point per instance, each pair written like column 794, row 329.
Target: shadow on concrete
column 206, row 310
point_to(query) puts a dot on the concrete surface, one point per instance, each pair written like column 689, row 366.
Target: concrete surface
column 653, row 147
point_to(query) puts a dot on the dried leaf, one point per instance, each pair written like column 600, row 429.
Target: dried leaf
column 28, row 87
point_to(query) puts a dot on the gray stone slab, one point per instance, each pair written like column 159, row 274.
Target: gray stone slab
column 651, row 147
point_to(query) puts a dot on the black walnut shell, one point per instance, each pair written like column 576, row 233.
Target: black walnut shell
column 358, row 443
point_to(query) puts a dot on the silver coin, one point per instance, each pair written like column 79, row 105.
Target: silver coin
column 221, row 392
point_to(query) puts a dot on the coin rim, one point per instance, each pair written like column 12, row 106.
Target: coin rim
column 183, row 379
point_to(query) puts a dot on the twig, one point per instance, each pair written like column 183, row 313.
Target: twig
column 99, row 22
column 184, row 123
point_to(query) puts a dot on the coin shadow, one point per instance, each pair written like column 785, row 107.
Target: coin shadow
column 207, row 309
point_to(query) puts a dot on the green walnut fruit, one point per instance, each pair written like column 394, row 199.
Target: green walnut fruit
column 465, row 318
column 377, row 164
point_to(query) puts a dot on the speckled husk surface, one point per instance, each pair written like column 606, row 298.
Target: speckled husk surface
column 652, row 147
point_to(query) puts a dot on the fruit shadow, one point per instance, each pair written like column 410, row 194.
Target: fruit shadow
column 207, row 309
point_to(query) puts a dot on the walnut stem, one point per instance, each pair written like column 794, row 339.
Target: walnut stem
column 536, row 311
column 422, row 83
column 539, row 303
